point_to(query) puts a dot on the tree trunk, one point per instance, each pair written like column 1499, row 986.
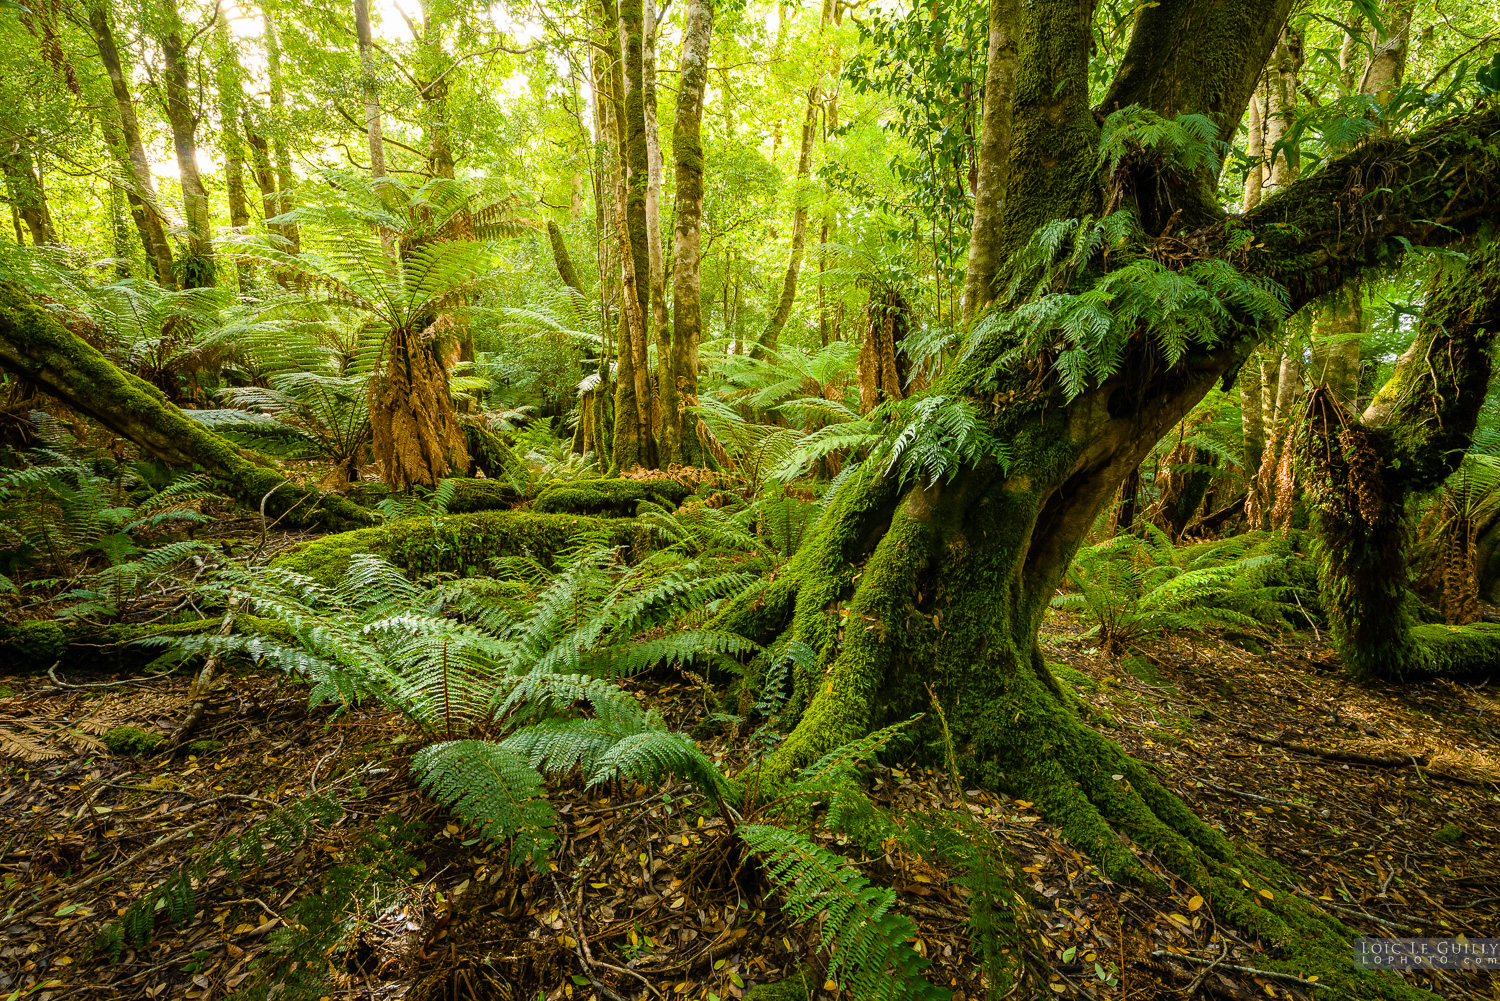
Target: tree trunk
column 142, row 190
column 197, row 264
column 994, row 152
column 24, row 186
column 285, row 181
column 906, row 585
column 687, row 154
column 634, row 444
column 37, row 348
column 230, row 84
column 369, row 86
column 1411, row 438
column 770, row 338
column 667, row 426
column 1335, row 354
column 1252, row 427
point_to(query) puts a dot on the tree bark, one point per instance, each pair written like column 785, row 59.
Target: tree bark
column 687, row 154
column 1252, row 426
column 369, row 84
column 230, row 84
column 285, row 180
column 770, row 338
column 24, row 185
column 198, row 265
column 994, row 152
column 36, row 347
column 666, row 426
column 142, row 190
column 634, row 443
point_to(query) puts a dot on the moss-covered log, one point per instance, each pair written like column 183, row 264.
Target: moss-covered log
column 458, row 544
column 469, row 495
column 39, row 349
column 616, row 498
column 31, row 647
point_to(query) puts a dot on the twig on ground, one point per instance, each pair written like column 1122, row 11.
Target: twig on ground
column 1288, row 977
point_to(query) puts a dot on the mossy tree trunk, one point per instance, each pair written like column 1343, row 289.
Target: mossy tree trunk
column 905, row 588
column 634, row 443
column 1410, row 439
column 687, row 152
column 39, row 349
column 285, row 181
column 197, row 265
column 131, row 151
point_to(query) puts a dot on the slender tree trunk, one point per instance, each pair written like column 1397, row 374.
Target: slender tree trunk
column 1252, row 426
column 667, row 427
column 198, row 265
column 994, row 151
column 634, row 444
column 285, row 180
column 369, row 84
column 230, row 86
column 687, row 153
column 1282, row 75
column 148, row 216
column 24, row 185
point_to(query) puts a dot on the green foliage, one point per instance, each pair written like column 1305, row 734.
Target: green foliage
column 1082, row 323
column 868, row 940
column 301, row 415
column 1133, row 587
column 284, row 830
column 1182, row 145
column 494, row 789
column 62, row 505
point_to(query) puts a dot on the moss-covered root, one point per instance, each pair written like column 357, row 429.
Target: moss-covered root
column 38, row 348
column 33, row 647
column 616, row 498
column 945, row 608
column 459, row 544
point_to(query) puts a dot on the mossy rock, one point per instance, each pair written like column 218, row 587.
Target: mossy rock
column 458, row 543
column 619, row 498
column 132, row 740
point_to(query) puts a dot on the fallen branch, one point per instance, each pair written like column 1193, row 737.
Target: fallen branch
column 1287, row 977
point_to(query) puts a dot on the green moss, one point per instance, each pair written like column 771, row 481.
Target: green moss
column 458, row 544
column 132, row 740
column 468, row 495
column 798, row 987
column 618, row 498
column 1074, row 678
column 1457, row 651
column 1449, row 834
column 204, row 746
column 34, row 646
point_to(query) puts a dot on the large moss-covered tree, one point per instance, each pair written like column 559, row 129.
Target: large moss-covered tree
column 932, row 586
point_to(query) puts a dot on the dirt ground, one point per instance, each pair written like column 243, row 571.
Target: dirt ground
column 1385, row 802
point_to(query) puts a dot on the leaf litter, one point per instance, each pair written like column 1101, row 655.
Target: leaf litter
column 644, row 898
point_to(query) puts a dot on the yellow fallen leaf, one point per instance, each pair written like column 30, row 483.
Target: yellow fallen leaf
column 1267, row 894
column 1059, row 988
column 1195, row 903
column 831, row 985
column 1181, row 920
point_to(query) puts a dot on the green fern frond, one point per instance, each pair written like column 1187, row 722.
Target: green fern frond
column 493, row 789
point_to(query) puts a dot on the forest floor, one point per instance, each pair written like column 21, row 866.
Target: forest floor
column 1384, row 801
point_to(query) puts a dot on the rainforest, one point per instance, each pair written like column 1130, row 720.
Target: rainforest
column 719, row 499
